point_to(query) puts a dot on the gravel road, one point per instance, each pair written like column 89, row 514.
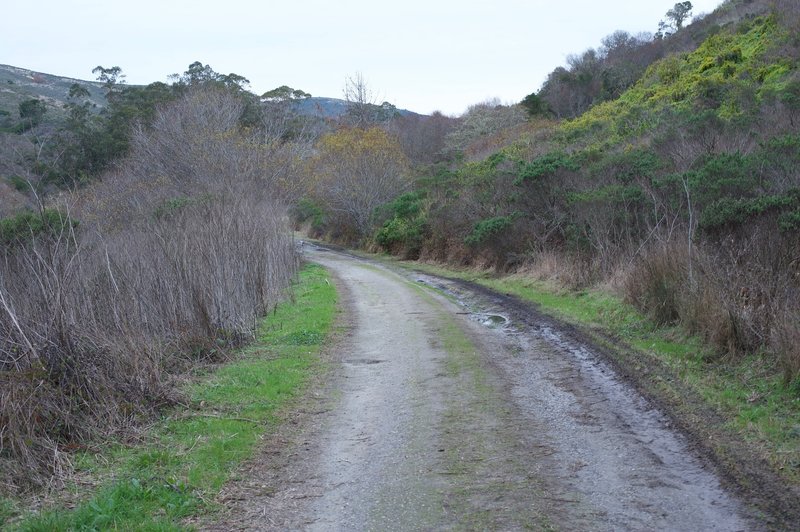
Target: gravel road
column 441, row 413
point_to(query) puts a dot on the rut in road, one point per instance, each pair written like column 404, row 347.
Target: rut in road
column 435, row 420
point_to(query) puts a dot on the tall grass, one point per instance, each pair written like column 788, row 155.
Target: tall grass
column 742, row 297
column 177, row 254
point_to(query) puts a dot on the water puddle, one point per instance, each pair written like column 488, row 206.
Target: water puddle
column 488, row 319
column 493, row 321
column 362, row 361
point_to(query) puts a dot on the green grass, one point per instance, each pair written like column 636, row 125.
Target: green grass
column 747, row 391
column 193, row 451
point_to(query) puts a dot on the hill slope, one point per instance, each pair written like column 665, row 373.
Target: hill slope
column 19, row 84
column 682, row 195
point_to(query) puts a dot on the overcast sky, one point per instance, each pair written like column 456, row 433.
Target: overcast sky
column 422, row 55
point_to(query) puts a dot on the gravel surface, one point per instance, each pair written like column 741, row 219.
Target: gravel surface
column 440, row 412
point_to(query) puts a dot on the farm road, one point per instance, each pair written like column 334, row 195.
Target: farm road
column 442, row 412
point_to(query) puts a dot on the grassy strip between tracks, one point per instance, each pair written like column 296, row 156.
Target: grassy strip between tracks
column 747, row 391
column 191, row 453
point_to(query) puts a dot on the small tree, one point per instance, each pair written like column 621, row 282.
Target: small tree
column 31, row 113
column 534, row 105
column 675, row 19
column 358, row 170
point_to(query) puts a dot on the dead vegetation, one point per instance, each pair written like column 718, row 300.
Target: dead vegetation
column 176, row 255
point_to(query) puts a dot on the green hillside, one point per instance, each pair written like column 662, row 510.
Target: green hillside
column 669, row 214
column 681, row 196
column 733, row 73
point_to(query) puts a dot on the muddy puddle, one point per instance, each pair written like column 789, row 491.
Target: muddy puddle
column 488, row 318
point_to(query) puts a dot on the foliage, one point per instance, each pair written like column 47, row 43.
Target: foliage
column 405, row 227
column 307, row 210
column 484, row 230
column 27, row 226
column 546, row 165
column 728, row 211
column 284, row 93
column 534, row 105
column 20, row 184
column 724, row 66
column 30, row 114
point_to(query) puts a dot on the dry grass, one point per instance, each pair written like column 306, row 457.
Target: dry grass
column 561, row 269
column 741, row 299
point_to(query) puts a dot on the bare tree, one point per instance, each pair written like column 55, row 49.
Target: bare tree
column 358, row 170
column 363, row 109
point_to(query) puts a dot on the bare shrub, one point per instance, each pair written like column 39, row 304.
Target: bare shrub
column 786, row 343
column 563, row 269
column 483, row 120
column 742, row 294
column 655, row 282
column 179, row 252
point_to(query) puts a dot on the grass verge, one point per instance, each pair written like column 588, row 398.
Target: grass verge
column 747, row 392
column 190, row 453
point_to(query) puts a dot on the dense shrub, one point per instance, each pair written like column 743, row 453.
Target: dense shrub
column 28, row 225
column 405, row 227
column 178, row 254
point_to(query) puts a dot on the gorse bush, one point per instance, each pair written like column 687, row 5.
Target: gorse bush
column 179, row 253
column 678, row 185
column 405, row 228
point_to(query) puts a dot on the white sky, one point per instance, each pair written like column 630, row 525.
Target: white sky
column 422, row 55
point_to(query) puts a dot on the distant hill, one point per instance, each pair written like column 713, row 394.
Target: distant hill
column 330, row 107
column 20, row 84
column 321, row 107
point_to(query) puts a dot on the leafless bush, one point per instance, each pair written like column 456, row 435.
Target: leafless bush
column 655, row 283
column 423, row 137
column 562, row 269
column 786, row 343
column 741, row 296
column 482, row 120
column 180, row 251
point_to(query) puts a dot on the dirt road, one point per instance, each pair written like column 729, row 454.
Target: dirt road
column 440, row 413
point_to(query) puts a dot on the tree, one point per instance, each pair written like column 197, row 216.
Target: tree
column 357, row 170
column 679, row 13
column 534, row 105
column 675, row 19
column 196, row 74
column 110, row 77
column 31, row 113
column 362, row 109
column 284, row 93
